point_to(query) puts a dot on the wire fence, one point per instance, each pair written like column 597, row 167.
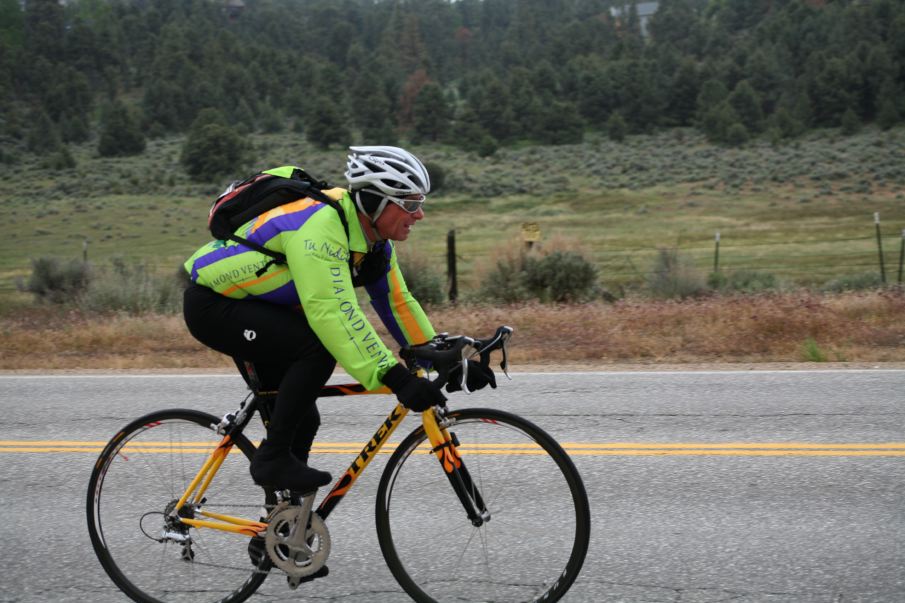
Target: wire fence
column 806, row 262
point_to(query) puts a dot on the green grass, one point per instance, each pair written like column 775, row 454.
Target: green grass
column 803, row 211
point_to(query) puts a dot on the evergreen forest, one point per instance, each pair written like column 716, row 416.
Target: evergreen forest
column 477, row 74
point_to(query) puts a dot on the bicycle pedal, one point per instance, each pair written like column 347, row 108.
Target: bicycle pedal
column 294, row 582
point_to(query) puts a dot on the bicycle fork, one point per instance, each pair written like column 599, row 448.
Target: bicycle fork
column 444, row 445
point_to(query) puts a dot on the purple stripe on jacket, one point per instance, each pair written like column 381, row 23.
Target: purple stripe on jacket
column 385, row 312
column 286, row 295
column 290, row 221
column 215, row 256
column 270, row 229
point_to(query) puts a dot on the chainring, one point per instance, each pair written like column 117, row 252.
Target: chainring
column 304, row 557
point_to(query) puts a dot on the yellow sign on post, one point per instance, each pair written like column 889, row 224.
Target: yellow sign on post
column 530, row 232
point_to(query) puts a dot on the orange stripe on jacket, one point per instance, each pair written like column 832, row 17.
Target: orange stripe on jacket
column 254, row 282
column 409, row 323
column 288, row 208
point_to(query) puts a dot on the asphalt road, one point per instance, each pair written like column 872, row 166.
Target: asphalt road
column 705, row 486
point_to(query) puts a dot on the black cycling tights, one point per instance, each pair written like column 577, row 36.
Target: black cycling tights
column 267, row 334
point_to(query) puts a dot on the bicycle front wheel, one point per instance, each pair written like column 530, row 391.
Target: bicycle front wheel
column 137, row 481
column 534, row 538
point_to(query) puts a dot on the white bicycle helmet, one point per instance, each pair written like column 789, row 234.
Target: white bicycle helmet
column 386, row 172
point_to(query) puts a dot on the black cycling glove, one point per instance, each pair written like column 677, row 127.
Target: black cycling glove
column 479, row 376
column 415, row 393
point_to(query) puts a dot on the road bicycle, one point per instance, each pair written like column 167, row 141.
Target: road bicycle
column 473, row 505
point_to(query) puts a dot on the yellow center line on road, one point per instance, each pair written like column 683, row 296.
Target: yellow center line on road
column 507, row 448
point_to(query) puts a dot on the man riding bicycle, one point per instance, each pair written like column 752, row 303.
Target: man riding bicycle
column 304, row 315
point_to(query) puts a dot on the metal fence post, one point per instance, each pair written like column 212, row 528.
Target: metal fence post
column 880, row 247
column 901, row 257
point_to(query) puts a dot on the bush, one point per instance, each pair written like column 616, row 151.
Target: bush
column 736, row 135
column 551, row 274
column 422, row 280
column 672, row 276
column 561, row 276
column 60, row 160
column 505, row 282
column 743, row 281
column 133, row 288
column 57, row 282
column 853, row 282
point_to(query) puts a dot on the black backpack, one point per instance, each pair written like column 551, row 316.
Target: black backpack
column 247, row 199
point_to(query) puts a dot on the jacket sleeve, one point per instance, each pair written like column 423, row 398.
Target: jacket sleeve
column 398, row 309
column 317, row 255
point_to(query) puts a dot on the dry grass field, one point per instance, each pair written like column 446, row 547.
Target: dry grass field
column 866, row 327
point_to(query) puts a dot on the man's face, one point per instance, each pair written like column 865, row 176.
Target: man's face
column 395, row 223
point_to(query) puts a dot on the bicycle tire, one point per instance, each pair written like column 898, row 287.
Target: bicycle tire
column 133, row 481
column 436, row 553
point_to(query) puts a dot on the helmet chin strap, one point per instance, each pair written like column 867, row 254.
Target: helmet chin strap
column 372, row 219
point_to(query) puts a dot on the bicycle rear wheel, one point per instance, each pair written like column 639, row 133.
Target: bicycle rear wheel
column 138, row 479
column 536, row 539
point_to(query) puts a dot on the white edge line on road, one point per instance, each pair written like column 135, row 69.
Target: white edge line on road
column 515, row 375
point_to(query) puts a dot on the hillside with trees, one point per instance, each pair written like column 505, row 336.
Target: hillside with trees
column 479, row 74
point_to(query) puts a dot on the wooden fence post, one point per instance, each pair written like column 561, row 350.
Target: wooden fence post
column 716, row 254
column 451, row 266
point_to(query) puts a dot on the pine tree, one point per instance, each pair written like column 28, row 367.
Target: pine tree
column 431, row 113
column 212, row 149
column 326, row 124
column 713, row 93
column 746, row 103
column 616, row 127
column 850, row 122
column 888, row 112
column 560, row 123
column 683, row 95
column 120, row 133
column 42, row 137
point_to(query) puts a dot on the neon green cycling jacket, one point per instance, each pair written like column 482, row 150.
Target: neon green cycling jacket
column 318, row 278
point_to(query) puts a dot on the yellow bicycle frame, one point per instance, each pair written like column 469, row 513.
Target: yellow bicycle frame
column 441, row 444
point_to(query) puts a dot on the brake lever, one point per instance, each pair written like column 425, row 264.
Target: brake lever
column 468, row 351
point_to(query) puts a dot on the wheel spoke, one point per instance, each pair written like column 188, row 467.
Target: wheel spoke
column 538, row 526
column 131, row 494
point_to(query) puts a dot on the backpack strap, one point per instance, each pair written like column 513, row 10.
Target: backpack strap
column 302, row 185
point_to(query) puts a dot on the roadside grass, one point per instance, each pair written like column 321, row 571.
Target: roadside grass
column 848, row 327
column 803, row 211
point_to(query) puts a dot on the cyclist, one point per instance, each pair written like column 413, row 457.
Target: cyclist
column 304, row 315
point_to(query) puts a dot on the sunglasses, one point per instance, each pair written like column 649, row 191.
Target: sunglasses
column 409, row 203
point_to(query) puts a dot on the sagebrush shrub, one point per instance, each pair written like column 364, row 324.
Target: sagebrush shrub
column 556, row 272
column 743, row 281
column 853, row 282
column 56, row 281
column 133, row 288
column 422, row 279
column 672, row 276
column 504, row 282
column 561, row 276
